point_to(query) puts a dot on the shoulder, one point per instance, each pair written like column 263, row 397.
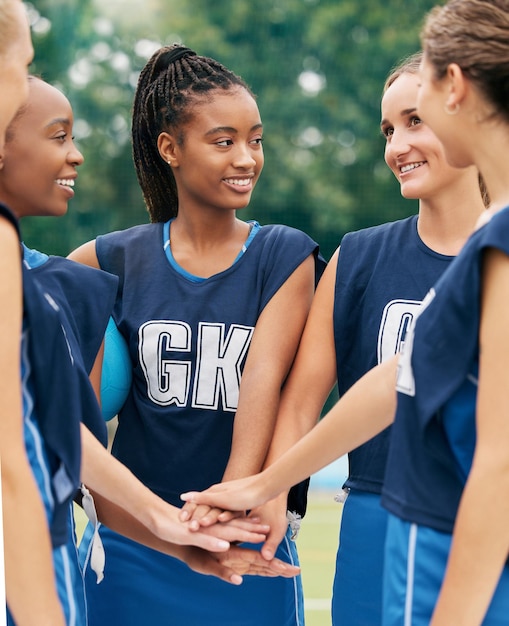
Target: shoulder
column 76, row 285
column 495, row 232
column 136, row 242
column 278, row 239
column 380, row 232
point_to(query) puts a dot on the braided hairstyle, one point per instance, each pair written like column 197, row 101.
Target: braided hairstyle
column 174, row 80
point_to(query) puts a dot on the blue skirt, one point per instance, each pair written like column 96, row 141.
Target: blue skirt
column 144, row 587
column 357, row 590
column 415, row 562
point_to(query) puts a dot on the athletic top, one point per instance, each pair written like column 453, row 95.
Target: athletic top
column 62, row 395
column 433, row 435
column 383, row 274
column 75, row 288
column 188, row 342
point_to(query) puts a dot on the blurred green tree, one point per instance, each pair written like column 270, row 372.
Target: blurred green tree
column 317, row 67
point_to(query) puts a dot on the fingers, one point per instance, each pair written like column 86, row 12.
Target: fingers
column 239, row 529
column 187, row 511
column 250, row 562
column 204, row 563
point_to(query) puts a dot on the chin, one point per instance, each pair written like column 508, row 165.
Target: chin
column 410, row 194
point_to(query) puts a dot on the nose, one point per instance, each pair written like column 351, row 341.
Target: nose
column 397, row 146
column 245, row 156
column 74, row 156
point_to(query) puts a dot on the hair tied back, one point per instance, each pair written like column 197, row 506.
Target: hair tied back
column 170, row 56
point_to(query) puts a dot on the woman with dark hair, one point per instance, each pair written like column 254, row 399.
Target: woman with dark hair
column 212, row 308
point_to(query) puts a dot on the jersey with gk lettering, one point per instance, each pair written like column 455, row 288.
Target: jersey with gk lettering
column 188, row 343
column 383, row 274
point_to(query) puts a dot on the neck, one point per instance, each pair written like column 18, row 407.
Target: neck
column 489, row 142
column 446, row 221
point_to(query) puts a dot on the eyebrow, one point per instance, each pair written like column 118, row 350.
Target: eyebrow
column 403, row 113
column 59, row 120
column 229, row 129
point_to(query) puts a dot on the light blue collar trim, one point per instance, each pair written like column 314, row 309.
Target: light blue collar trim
column 254, row 229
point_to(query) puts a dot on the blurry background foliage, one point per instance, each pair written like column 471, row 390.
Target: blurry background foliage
column 316, row 66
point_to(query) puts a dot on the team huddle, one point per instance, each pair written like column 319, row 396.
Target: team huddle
column 217, row 341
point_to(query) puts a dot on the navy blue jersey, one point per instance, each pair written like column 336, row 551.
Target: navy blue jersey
column 57, row 392
column 434, row 431
column 188, row 342
column 383, row 274
column 85, row 296
column 76, row 288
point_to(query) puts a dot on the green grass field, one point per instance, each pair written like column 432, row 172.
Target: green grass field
column 316, row 543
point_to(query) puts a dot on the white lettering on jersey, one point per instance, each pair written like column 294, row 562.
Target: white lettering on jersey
column 168, row 380
column 218, row 365
column 405, row 378
column 397, row 317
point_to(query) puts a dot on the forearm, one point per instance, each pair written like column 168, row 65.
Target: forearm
column 479, row 549
column 253, row 431
column 271, row 354
column 364, row 411
column 122, row 522
column 107, row 477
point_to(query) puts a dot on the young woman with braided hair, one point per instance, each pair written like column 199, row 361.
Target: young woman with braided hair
column 212, row 309
column 446, row 483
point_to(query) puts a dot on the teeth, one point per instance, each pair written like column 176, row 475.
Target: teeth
column 69, row 182
column 411, row 166
column 242, row 182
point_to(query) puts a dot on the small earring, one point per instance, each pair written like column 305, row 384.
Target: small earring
column 452, row 110
column 169, row 162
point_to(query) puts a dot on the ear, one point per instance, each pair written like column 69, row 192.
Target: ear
column 168, row 148
column 457, row 86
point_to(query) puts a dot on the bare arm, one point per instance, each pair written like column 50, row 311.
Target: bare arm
column 272, row 351
column 86, row 255
column 365, row 410
column 309, row 383
column 107, row 477
column 28, row 560
column 128, row 507
column 313, row 373
column 480, row 543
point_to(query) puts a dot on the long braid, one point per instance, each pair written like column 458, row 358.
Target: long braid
column 172, row 82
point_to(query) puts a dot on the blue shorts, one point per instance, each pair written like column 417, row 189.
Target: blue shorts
column 357, row 590
column 145, row 587
column 415, row 562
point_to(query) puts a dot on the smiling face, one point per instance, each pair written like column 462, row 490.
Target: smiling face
column 218, row 161
column 15, row 56
column 412, row 150
column 38, row 166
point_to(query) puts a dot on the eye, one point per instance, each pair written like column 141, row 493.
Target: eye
column 224, row 142
column 415, row 121
column 258, row 141
column 387, row 131
column 62, row 137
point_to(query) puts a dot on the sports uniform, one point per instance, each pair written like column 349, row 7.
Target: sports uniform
column 433, row 437
column 188, row 339
column 383, row 274
column 57, row 395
